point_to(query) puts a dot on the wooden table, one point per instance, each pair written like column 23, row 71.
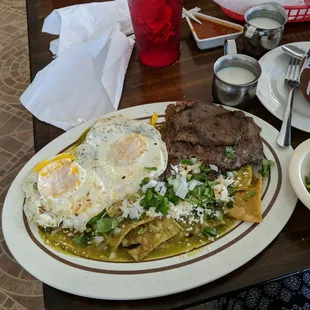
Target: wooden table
column 189, row 78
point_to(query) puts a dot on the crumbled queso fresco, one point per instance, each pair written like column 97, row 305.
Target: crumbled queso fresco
column 193, row 193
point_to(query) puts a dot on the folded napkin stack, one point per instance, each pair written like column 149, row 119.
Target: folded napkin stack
column 85, row 80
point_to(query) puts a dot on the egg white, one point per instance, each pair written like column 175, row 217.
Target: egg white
column 120, row 150
column 73, row 208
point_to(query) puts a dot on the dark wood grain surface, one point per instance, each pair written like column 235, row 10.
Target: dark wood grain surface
column 190, row 78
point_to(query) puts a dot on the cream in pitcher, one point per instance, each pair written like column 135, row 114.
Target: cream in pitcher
column 235, row 77
column 265, row 23
column 264, row 28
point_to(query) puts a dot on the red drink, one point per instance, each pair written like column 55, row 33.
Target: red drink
column 157, row 26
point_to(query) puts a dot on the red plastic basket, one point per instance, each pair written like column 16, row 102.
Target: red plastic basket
column 294, row 13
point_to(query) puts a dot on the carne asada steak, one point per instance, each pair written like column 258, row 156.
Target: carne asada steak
column 204, row 130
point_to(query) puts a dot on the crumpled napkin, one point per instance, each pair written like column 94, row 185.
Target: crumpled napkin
column 92, row 55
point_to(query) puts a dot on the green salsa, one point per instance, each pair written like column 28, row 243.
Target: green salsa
column 183, row 242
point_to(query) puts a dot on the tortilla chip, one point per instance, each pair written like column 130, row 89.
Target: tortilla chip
column 243, row 178
column 155, row 233
column 115, row 241
column 247, row 204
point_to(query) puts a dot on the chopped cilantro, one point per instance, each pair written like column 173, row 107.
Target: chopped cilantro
column 266, row 167
column 148, row 195
column 202, row 177
column 229, row 152
column 199, row 191
column 251, row 194
column 144, row 181
column 204, row 168
column 162, row 205
column 307, row 180
column 170, row 194
column 96, row 218
column 82, row 240
column 212, row 214
column 150, row 168
column 190, row 161
column 106, row 224
column 209, row 232
column 141, row 230
column 152, row 199
column 231, row 189
column 230, row 204
column 202, row 194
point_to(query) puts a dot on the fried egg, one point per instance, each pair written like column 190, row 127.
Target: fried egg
column 59, row 190
column 123, row 152
column 69, row 189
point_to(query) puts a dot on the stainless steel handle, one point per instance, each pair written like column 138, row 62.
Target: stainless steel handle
column 230, row 47
column 284, row 138
column 250, row 32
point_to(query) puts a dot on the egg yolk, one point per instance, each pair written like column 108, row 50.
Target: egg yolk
column 58, row 178
column 129, row 147
column 43, row 163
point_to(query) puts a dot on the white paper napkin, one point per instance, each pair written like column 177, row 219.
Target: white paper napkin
column 86, row 79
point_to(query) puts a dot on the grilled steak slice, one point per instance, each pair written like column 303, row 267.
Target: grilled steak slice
column 185, row 108
column 183, row 114
column 247, row 149
column 219, row 129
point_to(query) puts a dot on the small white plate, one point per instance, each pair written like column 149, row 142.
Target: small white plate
column 272, row 92
column 300, row 167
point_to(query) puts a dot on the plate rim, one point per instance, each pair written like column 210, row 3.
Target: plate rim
column 296, row 161
column 293, row 198
column 265, row 99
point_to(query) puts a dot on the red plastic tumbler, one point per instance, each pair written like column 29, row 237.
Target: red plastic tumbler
column 157, row 26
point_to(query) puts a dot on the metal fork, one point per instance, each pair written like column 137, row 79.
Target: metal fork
column 291, row 81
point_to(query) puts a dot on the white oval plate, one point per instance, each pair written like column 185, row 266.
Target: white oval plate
column 272, row 92
column 156, row 278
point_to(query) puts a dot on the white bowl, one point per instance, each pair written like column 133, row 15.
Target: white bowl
column 299, row 167
column 214, row 41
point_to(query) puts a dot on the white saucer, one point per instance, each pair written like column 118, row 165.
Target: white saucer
column 299, row 167
column 272, row 92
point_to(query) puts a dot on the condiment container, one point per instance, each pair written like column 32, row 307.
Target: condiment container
column 264, row 28
column 217, row 25
column 238, row 82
